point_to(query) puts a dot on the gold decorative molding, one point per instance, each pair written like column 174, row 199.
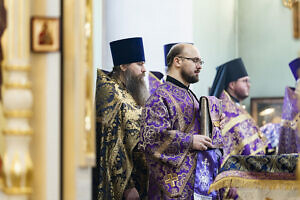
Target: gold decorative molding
column 17, row 85
column 17, row 68
column 1, row 181
column 29, row 171
column 296, row 19
column 18, row 113
column 17, row 132
column 16, row 175
column 17, row 191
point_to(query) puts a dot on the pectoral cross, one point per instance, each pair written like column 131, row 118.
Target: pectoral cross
column 171, row 178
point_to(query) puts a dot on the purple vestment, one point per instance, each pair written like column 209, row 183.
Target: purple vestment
column 169, row 121
column 241, row 136
column 289, row 141
column 155, row 80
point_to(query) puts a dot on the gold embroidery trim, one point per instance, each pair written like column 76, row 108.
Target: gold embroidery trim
column 216, row 124
column 241, row 146
column 111, row 115
column 153, row 76
column 188, row 129
column 229, row 182
column 291, row 123
column 162, row 148
column 232, row 122
column 174, row 194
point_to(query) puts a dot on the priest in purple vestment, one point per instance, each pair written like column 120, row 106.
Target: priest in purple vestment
column 170, row 131
column 240, row 135
column 289, row 141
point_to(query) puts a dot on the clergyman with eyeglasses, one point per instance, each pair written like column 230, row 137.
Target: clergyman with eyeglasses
column 170, row 130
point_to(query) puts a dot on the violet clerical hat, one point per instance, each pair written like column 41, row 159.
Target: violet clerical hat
column 167, row 48
column 294, row 66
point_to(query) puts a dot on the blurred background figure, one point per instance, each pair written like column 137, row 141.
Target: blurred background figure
column 289, row 141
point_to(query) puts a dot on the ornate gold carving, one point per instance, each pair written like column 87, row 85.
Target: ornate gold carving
column 296, row 19
column 16, row 172
column 295, row 7
column 17, row 85
column 88, row 158
column 18, row 113
column 17, row 68
column 29, row 171
column 18, row 191
column 17, row 132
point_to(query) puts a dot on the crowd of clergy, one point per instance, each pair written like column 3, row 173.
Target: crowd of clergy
column 155, row 139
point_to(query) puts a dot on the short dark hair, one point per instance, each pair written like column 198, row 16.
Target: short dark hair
column 174, row 51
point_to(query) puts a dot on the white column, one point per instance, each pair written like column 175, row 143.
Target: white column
column 17, row 102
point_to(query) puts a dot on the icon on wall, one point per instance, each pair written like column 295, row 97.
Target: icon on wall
column 266, row 110
column 45, row 34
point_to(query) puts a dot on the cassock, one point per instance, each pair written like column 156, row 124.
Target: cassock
column 169, row 121
column 120, row 165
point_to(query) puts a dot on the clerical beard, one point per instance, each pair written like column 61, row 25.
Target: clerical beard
column 189, row 78
column 136, row 86
column 240, row 95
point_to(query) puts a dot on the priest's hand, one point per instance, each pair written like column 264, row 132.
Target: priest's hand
column 201, row 142
column 222, row 120
column 131, row 194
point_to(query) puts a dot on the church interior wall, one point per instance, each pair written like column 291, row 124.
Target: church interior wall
column 215, row 35
column 267, row 45
column 158, row 22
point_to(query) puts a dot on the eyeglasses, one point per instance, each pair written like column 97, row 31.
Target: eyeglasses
column 246, row 81
column 195, row 60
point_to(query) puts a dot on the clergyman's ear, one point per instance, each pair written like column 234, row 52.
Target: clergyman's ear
column 176, row 61
column 231, row 85
column 123, row 68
